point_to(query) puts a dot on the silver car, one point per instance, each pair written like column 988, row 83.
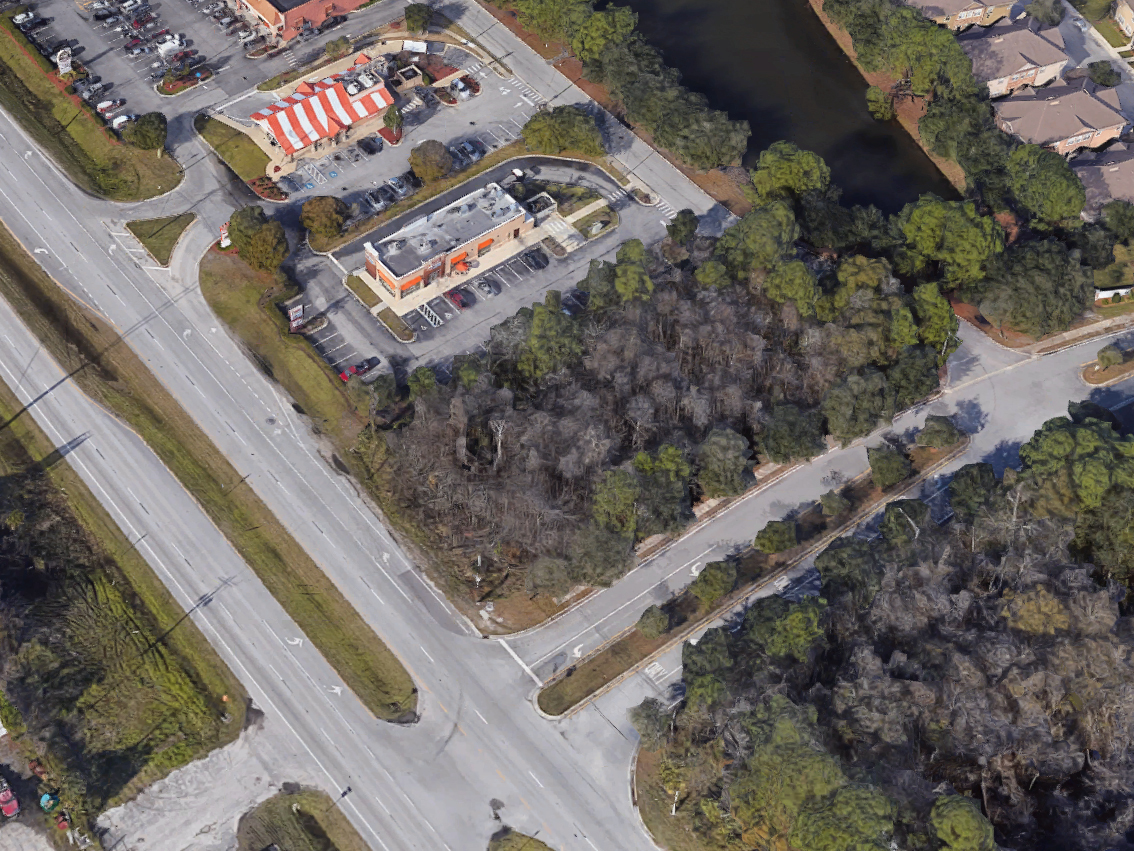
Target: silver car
column 399, row 187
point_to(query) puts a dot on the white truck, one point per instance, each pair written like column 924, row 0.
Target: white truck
column 170, row 47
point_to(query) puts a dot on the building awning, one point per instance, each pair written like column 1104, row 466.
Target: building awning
column 411, row 282
column 462, row 266
column 484, row 244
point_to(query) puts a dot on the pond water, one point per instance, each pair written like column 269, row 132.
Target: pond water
column 773, row 63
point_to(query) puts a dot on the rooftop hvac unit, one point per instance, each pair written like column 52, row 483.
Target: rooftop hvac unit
column 366, row 80
column 352, row 88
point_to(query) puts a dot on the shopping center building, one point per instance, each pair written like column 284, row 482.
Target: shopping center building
column 419, row 262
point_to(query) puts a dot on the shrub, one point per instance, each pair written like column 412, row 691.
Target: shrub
column 834, row 503
column 431, row 161
column 713, row 582
column 938, row 432
column 1109, row 356
column 887, row 466
column 776, row 537
column 653, row 623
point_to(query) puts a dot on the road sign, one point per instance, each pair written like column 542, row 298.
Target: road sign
column 295, row 316
column 63, row 60
column 225, row 242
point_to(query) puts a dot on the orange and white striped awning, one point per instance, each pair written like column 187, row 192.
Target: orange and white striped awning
column 319, row 111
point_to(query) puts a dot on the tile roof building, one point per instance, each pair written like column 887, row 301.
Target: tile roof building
column 1009, row 55
column 1062, row 117
column 1106, row 175
column 324, row 109
column 958, row 14
column 414, row 262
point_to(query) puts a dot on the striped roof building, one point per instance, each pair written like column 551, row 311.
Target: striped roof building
column 322, row 110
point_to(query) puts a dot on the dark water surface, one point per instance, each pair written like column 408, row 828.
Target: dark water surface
column 773, row 63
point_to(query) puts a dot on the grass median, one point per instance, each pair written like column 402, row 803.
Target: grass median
column 72, row 133
column 304, row 820
column 111, row 374
column 685, row 614
column 136, row 689
column 159, row 236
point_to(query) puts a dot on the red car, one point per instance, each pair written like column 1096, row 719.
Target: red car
column 134, row 42
column 180, row 55
column 142, row 21
column 158, row 34
column 348, row 373
column 457, row 299
column 9, row 806
column 359, row 368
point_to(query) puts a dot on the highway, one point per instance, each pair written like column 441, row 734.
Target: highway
column 425, row 786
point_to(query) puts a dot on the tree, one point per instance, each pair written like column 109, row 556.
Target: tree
column 792, row 281
column 147, row 132
column 652, row 721
column 722, row 460
column 903, row 520
column 854, row 406
column 393, row 119
column 857, row 819
column 938, row 432
column 959, row 824
column 653, row 623
column 613, row 503
column 337, row 47
column 683, row 227
column 1044, row 185
column 324, row 215
column 760, row 240
column 632, row 282
column 663, row 505
column 564, row 128
column 850, row 566
column 1038, row 288
column 912, row 377
column 553, row 340
column 244, row 224
column 784, row 629
column 879, row 104
column 1119, row 219
column 632, row 251
column 431, row 161
column 777, row 536
column 971, row 488
column 937, row 322
column 1103, row 73
column 949, row 237
column 715, row 580
column 887, row 466
column 834, row 503
column 421, row 382
column 709, row 655
column 418, row 16
column 713, row 275
column 548, row 576
column 1047, row 12
column 1109, row 356
column 784, row 171
column 267, row 249
column 613, row 25
column 792, row 435
column 1070, row 466
column 600, row 556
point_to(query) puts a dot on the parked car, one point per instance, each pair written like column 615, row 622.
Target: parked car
column 163, row 37
column 370, row 145
column 131, row 44
column 399, row 186
column 331, row 23
column 460, row 159
column 138, row 51
column 141, row 21
column 226, row 20
column 181, row 56
column 471, row 81
column 106, row 16
column 109, row 106
column 9, row 804
column 212, row 7
column 34, row 26
column 412, row 181
column 121, row 121
column 23, row 18
column 460, row 90
column 377, row 203
column 100, row 4
column 387, row 194
column 536, row 258
column 473, row 149
column 488, row 287
column 456, row 299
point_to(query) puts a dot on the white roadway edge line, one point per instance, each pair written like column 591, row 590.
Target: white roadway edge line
column 623, row 606
column 250, row 679
column 519, row 662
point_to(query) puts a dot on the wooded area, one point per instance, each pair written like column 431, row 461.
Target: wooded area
column 542, row 463
column 952, row 685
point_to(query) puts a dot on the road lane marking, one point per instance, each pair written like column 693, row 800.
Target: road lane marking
column 481, row 717
column 519, row 662
column 427, row 656
column 536, row 779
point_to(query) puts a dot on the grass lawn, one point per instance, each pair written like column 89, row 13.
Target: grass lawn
column 242, row 154
column 603, row 214
column 507, row 839
column 1109, row 30
column 298, row 821
column 160, row 235
column 396, row 324
column 367, row 295
column 153, row 707
column 245, row 300
column 71, row 131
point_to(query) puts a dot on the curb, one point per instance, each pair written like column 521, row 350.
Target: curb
column 736, row 599
column 176, row 242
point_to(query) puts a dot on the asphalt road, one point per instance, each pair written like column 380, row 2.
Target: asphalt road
column 425, row 786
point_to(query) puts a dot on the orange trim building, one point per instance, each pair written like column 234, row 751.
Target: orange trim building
column 418, row 261
column 287, row 18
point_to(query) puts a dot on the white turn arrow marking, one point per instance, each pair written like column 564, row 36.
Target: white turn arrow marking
column 186, row 334
column 695, row 569
column 336, row 690
column 40, row 251
column 112, row 247
column 295, row 642
column 578, row 651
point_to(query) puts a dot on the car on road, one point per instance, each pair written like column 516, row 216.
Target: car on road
column 370, row 145
column 399, row 186
column 487, row 287
column 331, row 23
column 536, row 259
column 1081, row 24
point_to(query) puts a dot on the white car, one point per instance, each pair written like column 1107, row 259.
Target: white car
column 121, row 121
column 1081, row 24
column 165, row 39
column 23, row 18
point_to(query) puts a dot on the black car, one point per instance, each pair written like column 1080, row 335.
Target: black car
column 103, row 14
column 536, row 259
column 331, row 23
column 412, row 181
column 386, row 194
column 370, row 145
